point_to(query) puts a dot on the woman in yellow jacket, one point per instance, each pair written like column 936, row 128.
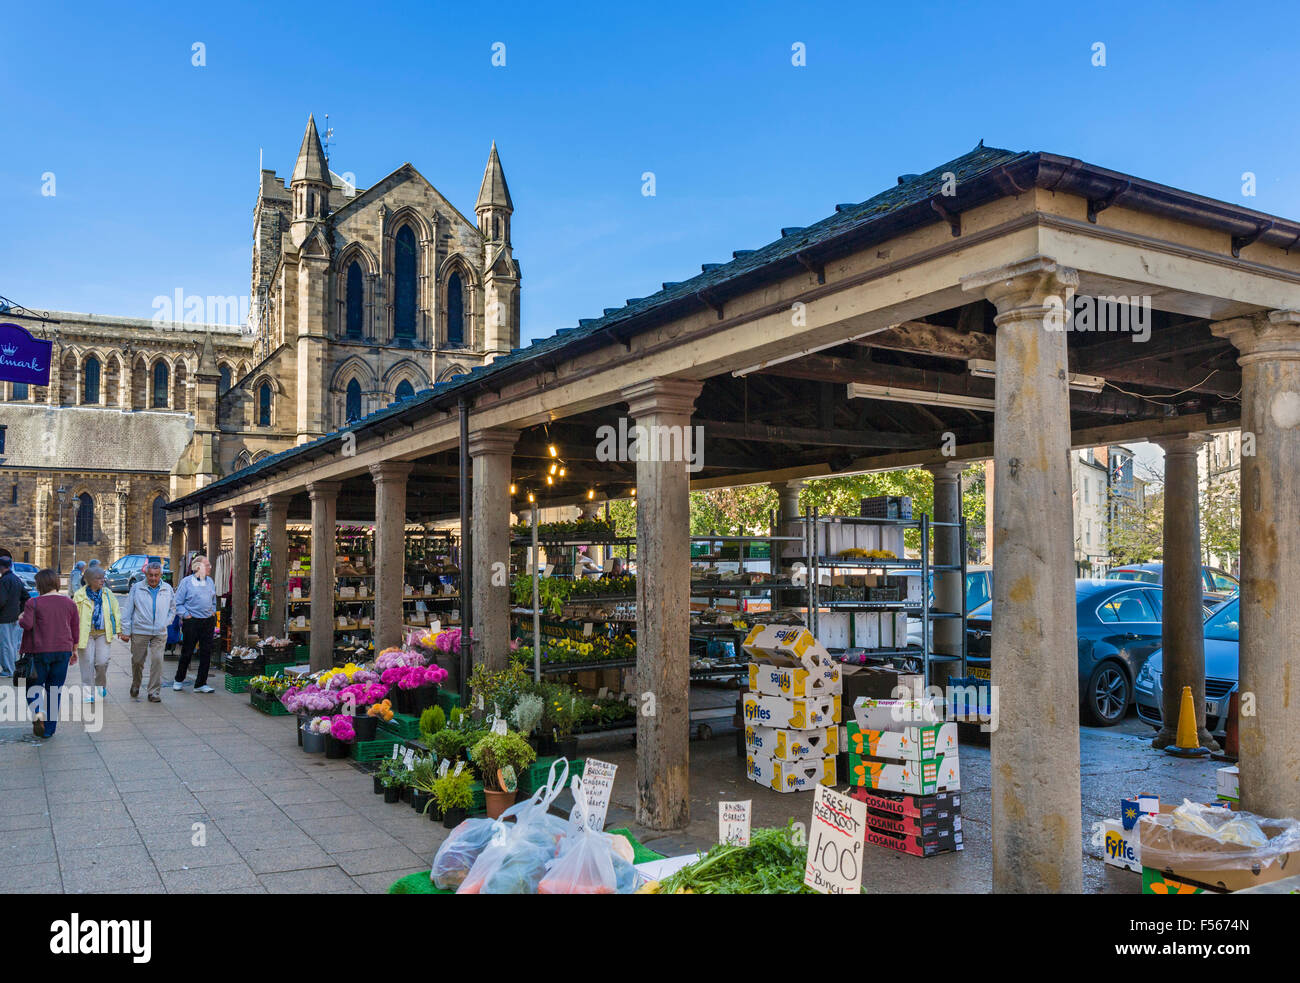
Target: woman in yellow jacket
column 100, row 621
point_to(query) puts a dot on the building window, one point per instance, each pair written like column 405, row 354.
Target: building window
column 223, row 386
column 352, row 410
column 160, row 379
column 355, row 302
column 20, row 390
column 90, row 380
column 85, row 518
column 264, row 405
column 404, row 292
column 159, row 520
column 455, row 310
column 13, row 500
column 404, row 390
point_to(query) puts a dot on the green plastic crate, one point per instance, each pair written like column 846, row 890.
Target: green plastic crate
column 480, row 800
column 402, row 725
column 302, row 653
column 448, row 700
column 540, row 770
column 268, row 705
column 376, row 750
column 237, row 684
column 278, row 668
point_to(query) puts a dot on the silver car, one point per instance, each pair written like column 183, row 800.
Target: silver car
column 1222, row 631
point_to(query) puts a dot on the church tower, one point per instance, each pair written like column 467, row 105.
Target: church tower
column 501, row 273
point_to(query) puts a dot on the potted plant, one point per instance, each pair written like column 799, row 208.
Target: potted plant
column 394, row 781
column 455, row 797
column 491, row 754
column 417, row 686
column 313, row 734
column 386, row 769
column 448, row 743
column 527, row 714
column 560, row 714
column 357, row 699
column 339, row 737
column 423, row 775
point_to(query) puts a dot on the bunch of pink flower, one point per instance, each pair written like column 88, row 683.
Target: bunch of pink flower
column 365, row 676
column 364, row 694
column 413, row 677
column 448, row 641
column 392, row 660
column 308, row 699
column 341, row 729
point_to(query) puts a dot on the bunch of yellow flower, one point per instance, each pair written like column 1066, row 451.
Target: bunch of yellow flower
column 383, row 710
column 349, row 670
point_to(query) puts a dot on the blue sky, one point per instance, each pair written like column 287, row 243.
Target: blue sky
column 155, row 160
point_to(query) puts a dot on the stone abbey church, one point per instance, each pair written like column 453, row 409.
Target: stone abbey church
column 359, row 297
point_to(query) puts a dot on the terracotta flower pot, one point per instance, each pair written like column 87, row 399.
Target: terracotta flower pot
column 498, row 802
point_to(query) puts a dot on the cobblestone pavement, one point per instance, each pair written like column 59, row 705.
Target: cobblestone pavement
column 199, row 793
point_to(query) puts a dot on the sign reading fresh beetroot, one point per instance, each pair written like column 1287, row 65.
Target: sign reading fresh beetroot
column 24, row 357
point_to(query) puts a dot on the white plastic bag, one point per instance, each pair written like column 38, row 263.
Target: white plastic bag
column 586, row 860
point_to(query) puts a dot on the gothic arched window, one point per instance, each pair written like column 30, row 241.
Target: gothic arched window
column 355, row 302
column 160, row 376
column 455, row 311
column 159, row 522
column 264, row 405
column 223, row 386
column 404, row 273
column 353, row 408
column 85, row 518
column 404, row 390
column 90, row 380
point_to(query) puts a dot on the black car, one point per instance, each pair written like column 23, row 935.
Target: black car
column 1118, row 628
column 126, row 570
column 1216, row 585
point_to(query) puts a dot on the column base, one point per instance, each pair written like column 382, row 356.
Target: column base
column 1166, row 738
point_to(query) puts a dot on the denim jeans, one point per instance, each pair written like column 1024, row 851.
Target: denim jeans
column 10, row 636
column 50, row 672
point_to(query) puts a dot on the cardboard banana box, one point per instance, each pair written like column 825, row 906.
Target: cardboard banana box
column 793, row 745
column 777, row 711
column 790, row 776
column 795, row 682
column 924, row 777
column 905, row 743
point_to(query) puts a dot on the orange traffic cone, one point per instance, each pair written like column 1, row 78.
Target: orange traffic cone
column 1185, row 744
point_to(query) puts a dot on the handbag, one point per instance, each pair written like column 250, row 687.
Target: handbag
column 24, row 666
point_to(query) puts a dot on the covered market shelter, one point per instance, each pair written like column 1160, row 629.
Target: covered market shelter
column 1005, row 305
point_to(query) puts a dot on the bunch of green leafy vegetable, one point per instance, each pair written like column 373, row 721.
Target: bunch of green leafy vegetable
column 773, row 863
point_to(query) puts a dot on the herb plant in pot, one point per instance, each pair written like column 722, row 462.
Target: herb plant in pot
column 454, row 795
column 394, row 781
column 527, row 715
column 339, row 738
column 491, row 754
column 384, row 769
column 560, row 715
column 423, row 775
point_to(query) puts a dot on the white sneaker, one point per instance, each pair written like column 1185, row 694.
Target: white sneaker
column 204, row 689
column 177, row 686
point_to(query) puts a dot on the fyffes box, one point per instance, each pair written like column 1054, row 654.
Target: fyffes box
column 923, row 777
column 872, row 714
column 786, row 645
column 907, row 743
column 794, row 682
column 1121, row 847
column 790, row 776
column 776, row 711
column 792, row 745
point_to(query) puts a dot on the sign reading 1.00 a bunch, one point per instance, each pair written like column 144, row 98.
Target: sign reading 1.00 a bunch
column 24, row 358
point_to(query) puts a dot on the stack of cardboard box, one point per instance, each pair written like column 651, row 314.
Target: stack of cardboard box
column 903, row 763
column 791, row 710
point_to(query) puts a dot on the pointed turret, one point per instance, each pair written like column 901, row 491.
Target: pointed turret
column 310, row 184
column 500, row 272
column 208, row 359
column 494, row 192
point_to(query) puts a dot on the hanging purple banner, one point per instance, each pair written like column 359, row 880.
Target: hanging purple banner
column 23, row 357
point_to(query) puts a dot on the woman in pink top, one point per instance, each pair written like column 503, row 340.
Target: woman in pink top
column 51, row 628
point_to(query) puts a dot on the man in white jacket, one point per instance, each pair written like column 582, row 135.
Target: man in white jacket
column 149, row 609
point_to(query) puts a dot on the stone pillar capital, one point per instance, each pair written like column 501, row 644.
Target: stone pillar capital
column 1275, row 335
column 946, row 470
column 390, row 471
column 1188, row 443
column 274, row 503
column 323, row 490
column 483, row 443
column 1031, row 288
column 241, row 511
column 664, row 395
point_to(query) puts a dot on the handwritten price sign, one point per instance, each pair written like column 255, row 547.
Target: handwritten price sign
column 835, row 843
column 733, row 822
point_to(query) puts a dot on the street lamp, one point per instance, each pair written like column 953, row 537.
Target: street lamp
column 61, row 493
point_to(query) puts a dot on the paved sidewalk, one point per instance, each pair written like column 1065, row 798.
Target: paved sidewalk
column 120, row 811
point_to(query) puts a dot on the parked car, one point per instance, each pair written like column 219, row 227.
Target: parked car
column 26, row 572
column 979, row 589
column 126, row 570
column 1222, row 633
column 1217, row 585
column 1118, row 628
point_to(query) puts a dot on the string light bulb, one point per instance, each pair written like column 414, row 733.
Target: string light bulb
column 634, row 493
column 555, row 452
column 563, row 471
column 554, row 468
column 591, row 493
column 513, row 489
column 550, row 480
column 531, row 497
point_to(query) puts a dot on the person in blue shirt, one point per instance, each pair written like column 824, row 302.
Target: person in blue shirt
column 196, row 603
column 149, row 608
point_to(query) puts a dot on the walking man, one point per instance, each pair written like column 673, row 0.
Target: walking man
column 196, row 603
column 76, row 577
column 13, row 598
column 149, row 608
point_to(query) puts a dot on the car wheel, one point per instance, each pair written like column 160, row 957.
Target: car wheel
column 1107, row 696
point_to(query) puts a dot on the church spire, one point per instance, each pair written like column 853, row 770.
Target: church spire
column 311, row 166
column 494, row 206
column 310, row 185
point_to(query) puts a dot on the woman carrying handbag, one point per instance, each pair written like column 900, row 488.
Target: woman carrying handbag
column 51, row 628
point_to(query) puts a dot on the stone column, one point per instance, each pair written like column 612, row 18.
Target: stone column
column 663, row 594
column 239, row 575
column 324, row 504
column 490, row 451
column 212, row 546
column 948, row 586
column 1182, row 619
column 788, row 492
column 1035, row 748
column 193, row 539
column 275, row 509
column 1269, row 737
column 177, row 558
column 390, row 550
